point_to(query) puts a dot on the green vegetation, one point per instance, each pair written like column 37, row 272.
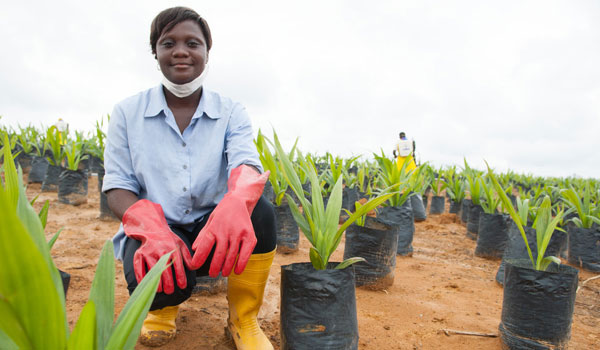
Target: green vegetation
column 32, row 300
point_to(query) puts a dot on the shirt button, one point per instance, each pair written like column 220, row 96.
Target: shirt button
column 187, row 211
column 185, row 166
column 183, row 144
column 184, row 189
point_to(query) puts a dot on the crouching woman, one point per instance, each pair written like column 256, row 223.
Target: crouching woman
column 184, row 176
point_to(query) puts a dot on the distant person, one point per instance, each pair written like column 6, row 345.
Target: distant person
column 184, row 176
column 63, row 129
column 405, row 152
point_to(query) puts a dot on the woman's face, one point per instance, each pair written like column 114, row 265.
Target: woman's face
column 182, row 53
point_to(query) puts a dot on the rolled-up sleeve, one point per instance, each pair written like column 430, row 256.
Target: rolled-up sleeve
column 240, row 148
column 119, row 172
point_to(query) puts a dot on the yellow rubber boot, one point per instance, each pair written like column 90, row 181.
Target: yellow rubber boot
column 245, row 296
column 159, row 326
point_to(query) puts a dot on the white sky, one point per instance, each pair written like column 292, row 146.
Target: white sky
column 514, row 82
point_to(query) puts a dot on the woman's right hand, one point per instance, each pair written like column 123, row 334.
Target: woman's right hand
column 145, row 221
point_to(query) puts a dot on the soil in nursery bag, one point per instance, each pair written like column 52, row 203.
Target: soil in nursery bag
column 537, row 308
column 402, row 219
column 437, row 205
column 73, row 187
column 455, row 207
column 418, row 208
column 473, row 223
column 39, row 165
column 206, row 285
column 377, row 242
column 492, row 236
column 288, row 235
column 584, row 248
column 465, row 210
column 516, row 249
column 318, row 308
column 50, row 182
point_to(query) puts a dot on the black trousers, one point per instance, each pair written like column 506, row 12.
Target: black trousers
column 263, row 222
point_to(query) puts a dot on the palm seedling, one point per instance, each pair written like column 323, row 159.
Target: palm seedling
column 269, row 162
column 33, row 309
column 319, row 223
column 491, row 200
column 455, row 187
column 545, row 225
column 26, row 137
column 389, row 176
column 74, row 153
column 54, row 138
column 587, row 213
column 438, row 184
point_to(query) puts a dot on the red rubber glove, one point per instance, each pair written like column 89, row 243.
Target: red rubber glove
column 229, row 226
column 145, row 221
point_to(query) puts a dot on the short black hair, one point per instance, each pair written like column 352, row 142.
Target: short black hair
column 402, row 134
column 169, row 18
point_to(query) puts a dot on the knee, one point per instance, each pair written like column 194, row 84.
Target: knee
column 263, row 221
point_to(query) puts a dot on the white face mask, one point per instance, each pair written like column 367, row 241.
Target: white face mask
column 184, row 90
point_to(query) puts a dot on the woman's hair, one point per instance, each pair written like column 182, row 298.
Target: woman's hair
column 169, row 18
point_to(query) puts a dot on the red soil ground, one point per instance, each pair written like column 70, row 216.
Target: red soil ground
column 443, row 286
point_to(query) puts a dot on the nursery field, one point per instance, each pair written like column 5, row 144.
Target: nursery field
column 439, row 292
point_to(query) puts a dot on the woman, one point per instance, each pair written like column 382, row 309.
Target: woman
column 183, row 175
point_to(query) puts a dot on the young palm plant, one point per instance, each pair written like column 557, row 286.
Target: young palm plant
column 32, row 299
column 586, row 212
column 74, row 154
column 491, row 200
column 270, row 163
column 390, row 176
column 545, row 225
column 319, row 223
column 54, row 138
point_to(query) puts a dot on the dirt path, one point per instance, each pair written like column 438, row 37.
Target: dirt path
column 442, row 286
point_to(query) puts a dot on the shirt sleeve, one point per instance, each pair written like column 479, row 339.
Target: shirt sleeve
column 118, row 166
column 239, row 141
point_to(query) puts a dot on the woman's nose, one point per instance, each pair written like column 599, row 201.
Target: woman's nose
column 180, row 50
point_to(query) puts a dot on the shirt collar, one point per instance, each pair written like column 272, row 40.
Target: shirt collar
column 158, row 103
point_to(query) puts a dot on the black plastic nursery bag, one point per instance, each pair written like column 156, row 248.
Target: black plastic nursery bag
column 437, row 205
column 537, row 309
column 318, row 308
column 39, row 165
column 72, row 187
column 402, row 219
column 288, row 235
column 50, row 182
column 492, row 237
column 418, row 208
column 377, row 242
column 584, row 247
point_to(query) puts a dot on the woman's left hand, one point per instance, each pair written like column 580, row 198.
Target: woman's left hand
column 229, row 226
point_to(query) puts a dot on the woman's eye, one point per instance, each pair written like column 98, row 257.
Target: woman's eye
column 193, row 44
column 167, row 44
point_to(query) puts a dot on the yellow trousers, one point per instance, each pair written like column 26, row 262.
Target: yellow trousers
column 411, row 163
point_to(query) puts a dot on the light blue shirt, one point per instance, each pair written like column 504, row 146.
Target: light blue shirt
column 185, row 173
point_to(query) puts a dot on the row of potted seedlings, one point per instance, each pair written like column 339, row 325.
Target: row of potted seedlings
column 529, row 231
column 317, row 194
column 34, row 312
column 61, row 163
